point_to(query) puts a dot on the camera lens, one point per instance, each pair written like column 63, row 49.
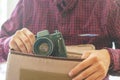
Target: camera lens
column 43, row 46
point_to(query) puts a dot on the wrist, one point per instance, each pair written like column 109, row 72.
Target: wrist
column 111, row 57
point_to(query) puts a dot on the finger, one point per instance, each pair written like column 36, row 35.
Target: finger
column 81, row 66
column 94, row 76
column 90, row 70
column 101, row 77
column 30, row 35
column 26, row 42
column 21, row 45
column 85, row 55
column 13, row 45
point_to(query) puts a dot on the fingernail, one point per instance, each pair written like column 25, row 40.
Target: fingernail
column 70, row 74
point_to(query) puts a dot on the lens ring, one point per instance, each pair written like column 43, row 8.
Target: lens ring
column 43, row 46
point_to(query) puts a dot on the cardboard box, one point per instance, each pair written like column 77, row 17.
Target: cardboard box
column 21, row 66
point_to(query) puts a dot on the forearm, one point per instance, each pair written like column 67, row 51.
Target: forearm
column 5, row 35
column 114, row 32
column 4, row 48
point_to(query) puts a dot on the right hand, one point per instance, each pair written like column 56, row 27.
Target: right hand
column 22, row 41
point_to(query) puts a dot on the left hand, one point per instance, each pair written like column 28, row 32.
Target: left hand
column 94, row 67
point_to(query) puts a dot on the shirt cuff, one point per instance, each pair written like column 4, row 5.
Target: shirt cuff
column 114, row 59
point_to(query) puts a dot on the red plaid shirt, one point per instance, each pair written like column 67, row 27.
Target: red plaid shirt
column 72, row 18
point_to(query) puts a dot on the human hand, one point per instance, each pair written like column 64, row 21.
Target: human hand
column 22, row 41
column 94, row 67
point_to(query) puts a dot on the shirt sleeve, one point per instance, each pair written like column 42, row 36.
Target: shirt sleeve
column 114, row 31
column 9, row 28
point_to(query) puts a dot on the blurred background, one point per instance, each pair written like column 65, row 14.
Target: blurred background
column 6, row 8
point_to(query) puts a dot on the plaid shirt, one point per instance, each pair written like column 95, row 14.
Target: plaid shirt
column 72, row 18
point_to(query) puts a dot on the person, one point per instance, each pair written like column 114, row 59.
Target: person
column 72, row 18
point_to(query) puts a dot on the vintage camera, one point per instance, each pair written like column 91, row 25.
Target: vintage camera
column 50, row 44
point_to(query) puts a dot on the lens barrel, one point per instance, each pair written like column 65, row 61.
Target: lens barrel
column 43, row 46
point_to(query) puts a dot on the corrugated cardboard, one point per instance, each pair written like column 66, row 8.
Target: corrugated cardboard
column 21, row 66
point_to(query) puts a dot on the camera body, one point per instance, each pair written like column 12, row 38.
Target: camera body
column 50, row 44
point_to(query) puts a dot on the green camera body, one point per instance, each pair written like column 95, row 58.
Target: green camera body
column 50, row 44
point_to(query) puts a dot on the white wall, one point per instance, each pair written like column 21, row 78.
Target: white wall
column 10, row 6
column 3, row 11
column 6, row 8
